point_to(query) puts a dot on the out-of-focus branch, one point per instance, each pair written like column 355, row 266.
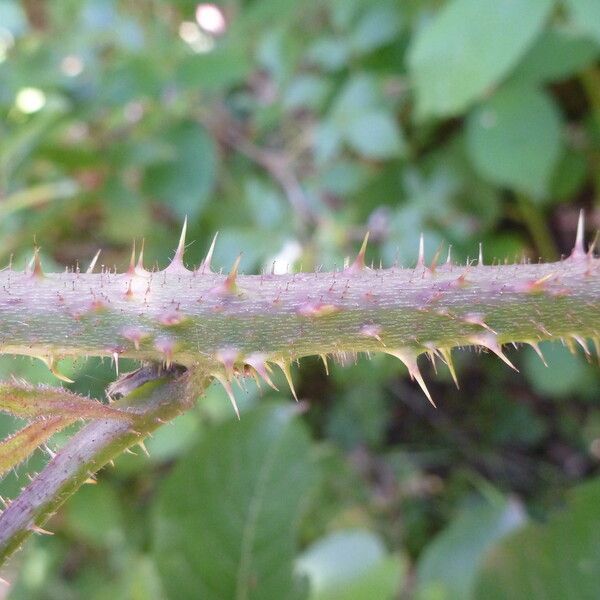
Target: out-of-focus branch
column 276, row 163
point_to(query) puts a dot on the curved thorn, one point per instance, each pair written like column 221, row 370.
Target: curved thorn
column 258, row 363
column 537, row 350
column 181, row 246
column 177, row 262
column 490, row 342
column 35, row 265
column 431, row 354
column 359, row 262
column 229, row 391
column 592, row 246
column 419, row 379
column 90, row 269
column 477, row 319
column 324, row 359
column 421, row 257
column 50, row 363
column 581, row 341
column 39, row 530
column 578, row 249
column 446, row 354
column 409, row 359
column 230, row 282
column 597, row 348
column 436, row 258
column 131, row 268
column 139, row 267
column 143, row 448
column 285, row 368
column 227, row 357
column 449, row 257
column 54, row 370
column 205, row 266
column 166, row 346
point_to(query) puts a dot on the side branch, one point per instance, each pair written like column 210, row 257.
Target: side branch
column 152, row 403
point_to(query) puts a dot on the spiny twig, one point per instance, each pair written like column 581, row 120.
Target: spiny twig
column 246, row 324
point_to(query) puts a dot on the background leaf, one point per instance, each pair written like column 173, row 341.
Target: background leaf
column 350, row 565
column 557, row 54
column 448, row 568
column 586, row 15
column 186, row 181
column 514, row 139
column 455, row 58
column 375, row 135
column 232, row 533
column 559, row 559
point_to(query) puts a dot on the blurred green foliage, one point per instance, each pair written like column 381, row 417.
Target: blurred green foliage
column 292, row 128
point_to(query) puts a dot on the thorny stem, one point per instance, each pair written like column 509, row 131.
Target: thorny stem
column 98, row 443
column 236, row 324
column 182, row 316
column 225, row 326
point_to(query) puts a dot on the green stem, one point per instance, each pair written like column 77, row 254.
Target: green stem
column 535, row 223
column 181, row 316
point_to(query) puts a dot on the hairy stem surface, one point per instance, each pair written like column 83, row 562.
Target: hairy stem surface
column 185, row 316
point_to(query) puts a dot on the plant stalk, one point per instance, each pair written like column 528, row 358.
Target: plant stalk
column 92, row 447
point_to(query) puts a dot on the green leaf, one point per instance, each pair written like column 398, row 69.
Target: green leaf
column 28, row 402
column 38, row 195
column 569, row 176
column 327, row 142
column 565, row 374
column 351, row 565
column 122, row 200
column 586, row 15
column 448, row 567
column 128, row 79
column 361, row 92
column 377, row 27
column 329, row 53
column 186, row 181
column 468, row 47
column 360, row 418
column 23, row 443
column 170, row 442
column 514, row 139
column 360, row 118
column 306, row 91
column 94, row 514
column 375, row 135
column 556, row 560
column 216, row 70
column 558, row 53
column 225, row 520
